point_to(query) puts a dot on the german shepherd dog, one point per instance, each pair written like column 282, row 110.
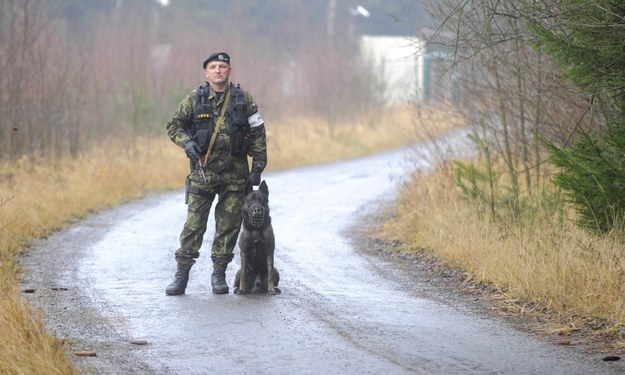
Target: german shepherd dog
column 257, row 245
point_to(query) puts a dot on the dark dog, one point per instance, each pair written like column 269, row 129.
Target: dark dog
column 257, row 244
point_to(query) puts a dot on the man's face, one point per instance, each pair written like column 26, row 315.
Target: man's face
column 217, row 72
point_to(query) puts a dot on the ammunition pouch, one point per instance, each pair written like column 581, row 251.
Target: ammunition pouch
column 204, row 120
column 239, row 143
column 240, row 127
column 203, row 136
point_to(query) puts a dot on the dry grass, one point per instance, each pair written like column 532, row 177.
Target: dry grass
column 543, row 260
column 295, row 142
column 25, row 348
column 38, row 196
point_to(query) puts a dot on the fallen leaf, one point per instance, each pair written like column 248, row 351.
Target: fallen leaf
column 610, row 358
column 85, row 354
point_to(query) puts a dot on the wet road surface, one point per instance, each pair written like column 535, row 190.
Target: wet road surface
column 340, row 312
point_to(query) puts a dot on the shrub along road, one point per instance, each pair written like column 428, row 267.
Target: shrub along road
column 101, row 286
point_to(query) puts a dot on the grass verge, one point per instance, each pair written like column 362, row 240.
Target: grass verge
column 541, row 262
column 39, row 196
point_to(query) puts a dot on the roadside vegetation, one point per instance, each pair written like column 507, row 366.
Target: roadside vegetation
column 537, row 212
column 535, row 256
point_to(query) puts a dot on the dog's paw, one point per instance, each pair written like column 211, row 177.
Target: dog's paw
column 273, row 291
column 240, row 291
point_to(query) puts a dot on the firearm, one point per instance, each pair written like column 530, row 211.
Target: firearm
column 200, row 165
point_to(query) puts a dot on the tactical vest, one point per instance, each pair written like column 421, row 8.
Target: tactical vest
column 205, row 116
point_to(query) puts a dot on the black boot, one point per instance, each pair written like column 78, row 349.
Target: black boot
column 218, row 280
column 179, row 284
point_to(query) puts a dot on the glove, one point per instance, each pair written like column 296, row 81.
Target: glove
column 192, row 149
column 254, row 178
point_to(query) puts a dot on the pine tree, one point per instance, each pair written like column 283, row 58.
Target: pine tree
column 588, row 40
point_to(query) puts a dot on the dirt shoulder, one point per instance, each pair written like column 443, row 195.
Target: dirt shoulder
column 424, row 276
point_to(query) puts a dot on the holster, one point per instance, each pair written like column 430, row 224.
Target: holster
column 189, row 189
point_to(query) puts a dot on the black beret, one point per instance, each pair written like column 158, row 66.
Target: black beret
column 217, row 56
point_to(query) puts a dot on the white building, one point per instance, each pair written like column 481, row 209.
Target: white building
column 400, row 62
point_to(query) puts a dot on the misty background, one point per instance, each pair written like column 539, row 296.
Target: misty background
column 79, row 72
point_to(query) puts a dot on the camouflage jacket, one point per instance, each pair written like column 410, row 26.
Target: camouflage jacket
column 221, row 162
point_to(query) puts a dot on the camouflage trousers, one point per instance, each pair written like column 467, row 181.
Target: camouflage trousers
column 230, row 198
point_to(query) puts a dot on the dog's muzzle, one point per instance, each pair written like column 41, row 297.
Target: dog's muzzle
column 256, row 213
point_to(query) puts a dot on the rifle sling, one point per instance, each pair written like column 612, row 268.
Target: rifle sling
column 218, row 123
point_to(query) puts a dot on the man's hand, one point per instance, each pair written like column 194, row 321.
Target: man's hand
column 192, row 149
column 254, row 178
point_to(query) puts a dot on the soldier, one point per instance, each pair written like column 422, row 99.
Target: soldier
column 219, row 126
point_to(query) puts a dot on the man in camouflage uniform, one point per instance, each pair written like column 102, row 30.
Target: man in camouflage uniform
column 219, row 126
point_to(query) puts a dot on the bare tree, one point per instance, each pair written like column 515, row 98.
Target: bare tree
column 114, row 72
column 509, row 88
column 37, row 98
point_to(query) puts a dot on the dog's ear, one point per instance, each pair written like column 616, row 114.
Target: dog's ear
column 263, row 188
column 248, row 188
